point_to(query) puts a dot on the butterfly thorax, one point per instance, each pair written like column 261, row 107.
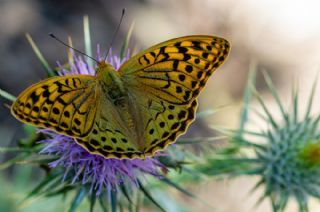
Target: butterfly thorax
column 111, row 83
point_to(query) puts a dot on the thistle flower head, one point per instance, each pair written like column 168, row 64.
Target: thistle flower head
column 83, row 167
column 77, row 65
column 288, row 162
column 286, row 154
column 100, row 173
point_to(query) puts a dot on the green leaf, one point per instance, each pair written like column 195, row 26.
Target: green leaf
column 302, row 201
column 114, row 201
column 295, row 103
column 184, row 191
column 209, row 112
column 171, row 162
column 120, row 206
column 271, row 119
column 87, row 39
column 126, row 194
column 275, row 95
column 229, row 165
column 199, row 140
column 18, row 149
column 78, row 199
column 125, row 45
column 63, row 189
column 43, row 61
column 13, row 161
column 148, row 195
column 247, row 99
column 243, row 142
column 231, row 132
column 93, row 198
column 102, row 203
column 49, row 180
column 7, row 96
column 32, row 137
column 206, row 113
column 312, row 94
column 138, row 201
column 283, row 200
column 30, row 130
column 37, row 159
column 179, row 188
column 256, row 186
column 259, row 114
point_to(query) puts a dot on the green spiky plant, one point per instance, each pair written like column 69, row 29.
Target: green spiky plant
column 286, row 155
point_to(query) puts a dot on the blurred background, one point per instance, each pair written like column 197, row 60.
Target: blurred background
column 282, row 37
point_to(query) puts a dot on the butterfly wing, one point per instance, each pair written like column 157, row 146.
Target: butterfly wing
column 65, row 104
column 176, row 70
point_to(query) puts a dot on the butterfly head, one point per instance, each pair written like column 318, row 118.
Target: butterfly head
column 108, row 74
column 103, row 64
column 103, row 67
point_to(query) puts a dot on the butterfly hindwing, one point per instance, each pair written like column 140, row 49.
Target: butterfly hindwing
column 110, row 142
column 65, row 104
column 110, row 137
column 176, row 70
column 165, row 122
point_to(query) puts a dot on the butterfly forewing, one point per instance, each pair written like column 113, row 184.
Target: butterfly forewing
column 175, row 71
column 65, row 104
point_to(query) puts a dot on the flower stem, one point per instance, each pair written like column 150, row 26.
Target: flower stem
column 7, row 96
column 87, row 39
column 39, row 55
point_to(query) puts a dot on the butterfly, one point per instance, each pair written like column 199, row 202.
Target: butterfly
column 132, row 112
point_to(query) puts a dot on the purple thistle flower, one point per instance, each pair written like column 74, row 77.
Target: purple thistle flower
column 100, row 173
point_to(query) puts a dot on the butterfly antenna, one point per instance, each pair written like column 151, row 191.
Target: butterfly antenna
column 60, row 41
column 115, row 33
